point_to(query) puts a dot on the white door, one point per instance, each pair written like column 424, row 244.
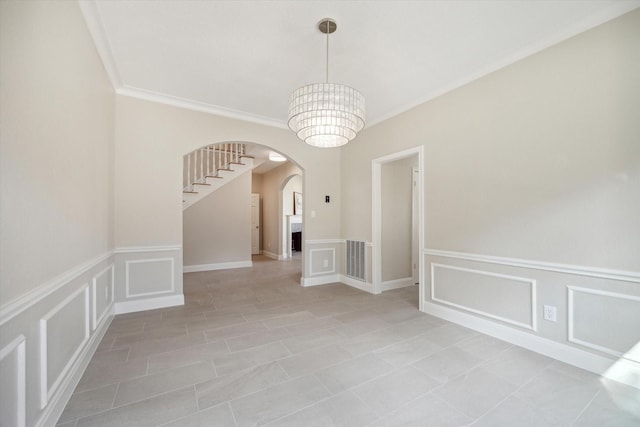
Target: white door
column 255, row 224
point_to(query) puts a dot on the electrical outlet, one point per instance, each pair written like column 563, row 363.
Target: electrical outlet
column 549, row 313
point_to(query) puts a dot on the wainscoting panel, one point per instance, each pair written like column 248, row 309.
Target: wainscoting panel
column 147, row 277
column 13, row 385
column 64, row 332
column 322, row 261
column 509, row 299
column 604, row 321
column 47, row 338
column 597, row 310
column 102, row 292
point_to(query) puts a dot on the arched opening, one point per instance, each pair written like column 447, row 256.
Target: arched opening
column 243, row 214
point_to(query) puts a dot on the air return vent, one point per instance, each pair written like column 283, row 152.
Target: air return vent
column 355, row 260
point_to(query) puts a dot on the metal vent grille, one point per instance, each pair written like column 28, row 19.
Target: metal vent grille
column 355, row 260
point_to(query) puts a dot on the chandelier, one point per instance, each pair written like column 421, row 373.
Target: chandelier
column 326, row 114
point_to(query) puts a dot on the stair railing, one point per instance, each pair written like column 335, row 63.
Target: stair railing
column 205, row 162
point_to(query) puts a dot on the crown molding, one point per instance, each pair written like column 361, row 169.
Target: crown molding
column 202, row 107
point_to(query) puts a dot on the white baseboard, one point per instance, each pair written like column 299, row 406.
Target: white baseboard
column 60, row 398
column 216, row 266
column 571, row 355
column 397, row 283
column 147, row 304
column 272, row 255
column 320, row 280
column 363, row 286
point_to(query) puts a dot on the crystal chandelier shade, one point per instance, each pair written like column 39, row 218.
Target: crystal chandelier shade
column 326, row 114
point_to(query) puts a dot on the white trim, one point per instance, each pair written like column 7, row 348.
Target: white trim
column 320, row 280
column 18, row 345
column 91, row 15
column 532, row 283
column 273, row 255
column 96, row 320
column 147, row 304
column 140, row 249
column 26, row 301
column 324, row 241
column 128, row 294
column 574, row 356
column 358, row 284
column 612, row 12
column 570, row 321
column 397, row 283
column 45, row 391
column 190, row 104
column 216, row 266
column 59, row 400
column 602, row 273
column 376, row 215
column 333, row 261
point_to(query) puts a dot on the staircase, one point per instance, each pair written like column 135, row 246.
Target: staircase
column 208, row 168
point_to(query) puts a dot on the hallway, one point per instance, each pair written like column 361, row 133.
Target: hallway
column 253, row 347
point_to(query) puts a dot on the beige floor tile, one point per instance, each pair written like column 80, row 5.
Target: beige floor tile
column 151, row 385
column 409, row 351
column 353, row 372
column 476, row 392
column 98, row 375
column 277, row 401
column 314, row 360
column 342, row 410
column 517, row 365
column 308, row 341
column 447, row 364
column 483, row 346
column 514, row 412
column 88, row 403
column 234, row 331
column 241, row 360
column 560, row 396
column 150, row 412
column 187, row 356
column 222, row 389
column 218, row 416
column 427, row 410
column 391, row 391
column 148, row 348
column 257, row 339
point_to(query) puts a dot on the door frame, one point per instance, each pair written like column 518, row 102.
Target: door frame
column 376, row 217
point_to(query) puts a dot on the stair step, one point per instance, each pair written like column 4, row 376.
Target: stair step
column 237, row 163
column 189, row 192
column 214, row 176
column 200, row 183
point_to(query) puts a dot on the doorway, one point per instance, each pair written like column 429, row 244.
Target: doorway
column 384, row 175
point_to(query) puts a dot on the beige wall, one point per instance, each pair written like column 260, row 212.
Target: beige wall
column 539, row 160
column 217, row 229
column 531, row 197
column 56, row 209
column 57, row 145
column 396, row 218
column 150, row 142
column 272, row 184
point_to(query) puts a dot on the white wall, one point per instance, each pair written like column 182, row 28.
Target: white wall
column 56, row 215
column 537, row 162
column 217, row 229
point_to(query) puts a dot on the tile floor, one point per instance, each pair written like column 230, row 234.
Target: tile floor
column 252, row 347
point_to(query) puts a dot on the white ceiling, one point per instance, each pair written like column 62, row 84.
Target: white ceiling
column 243, row 58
